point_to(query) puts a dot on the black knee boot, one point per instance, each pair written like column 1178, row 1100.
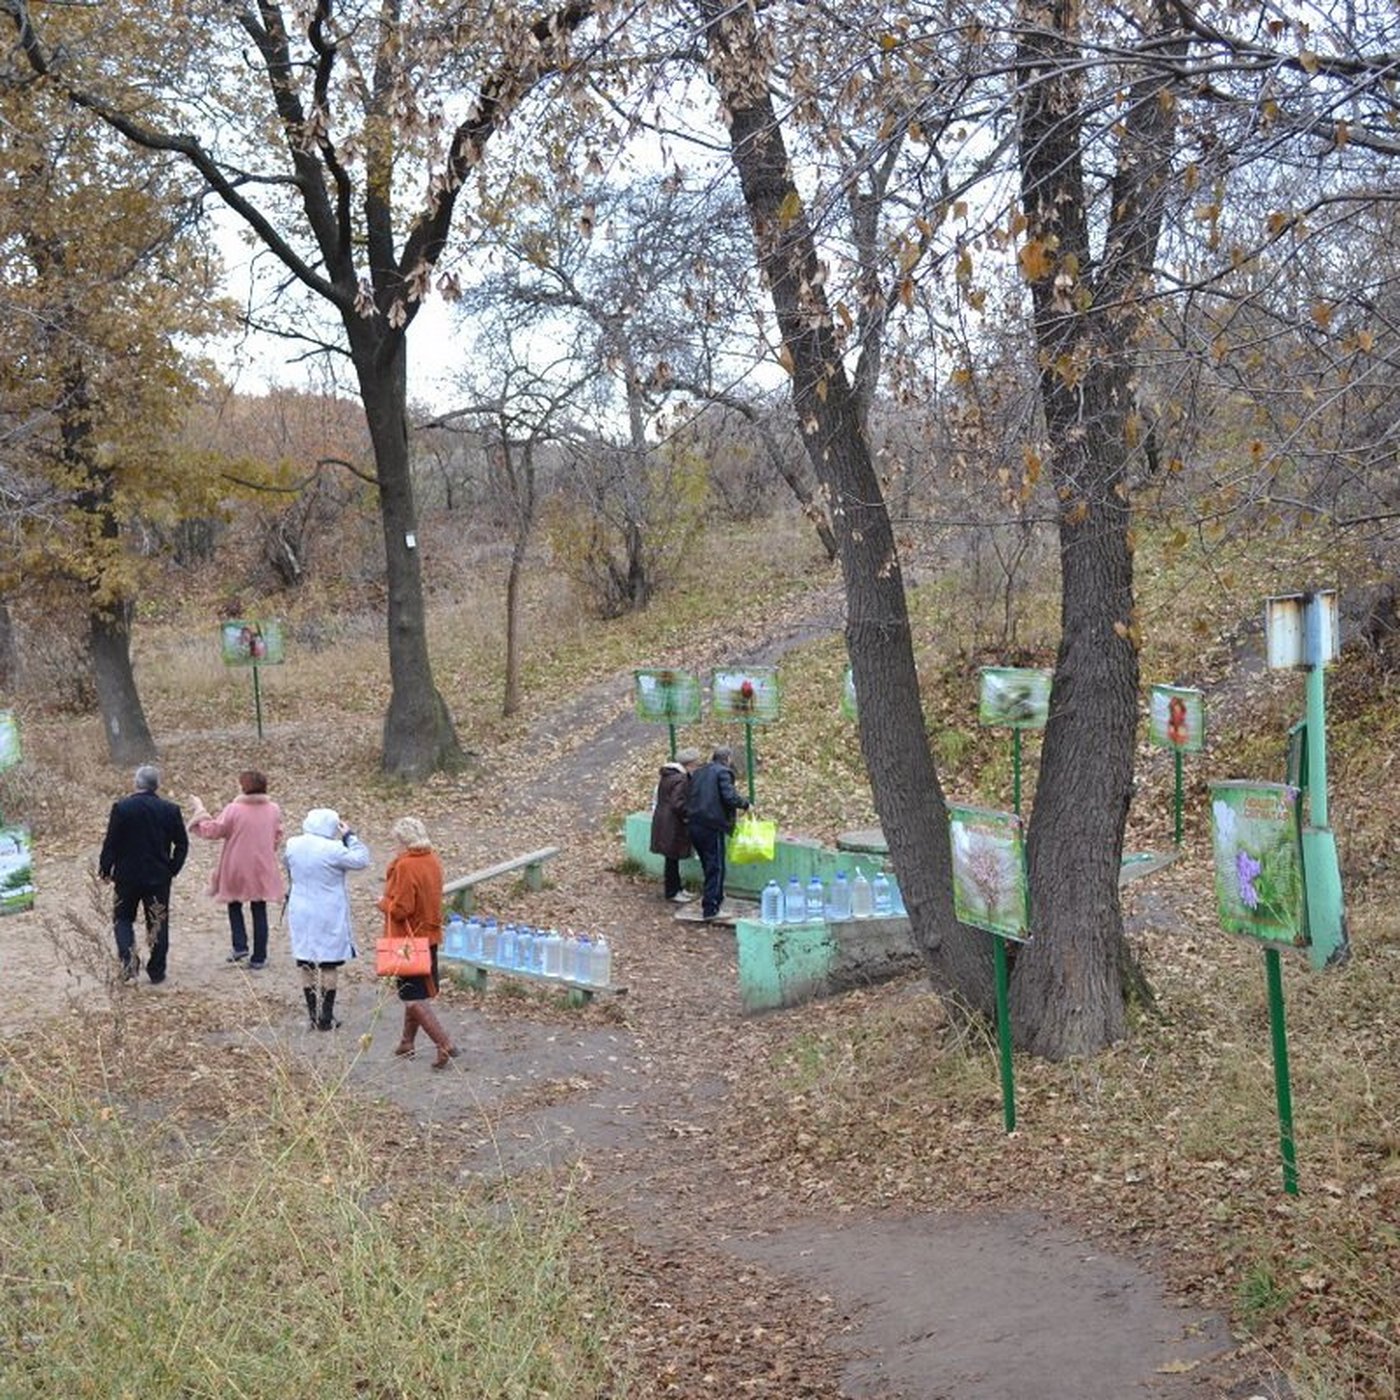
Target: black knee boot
column 327, row 1021
column 310, row 994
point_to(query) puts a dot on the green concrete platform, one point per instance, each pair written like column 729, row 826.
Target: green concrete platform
column 787, row 964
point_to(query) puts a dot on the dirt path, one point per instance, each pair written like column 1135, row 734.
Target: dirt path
column 752, row 1294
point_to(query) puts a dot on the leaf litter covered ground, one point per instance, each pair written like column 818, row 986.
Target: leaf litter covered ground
column 820, row 1202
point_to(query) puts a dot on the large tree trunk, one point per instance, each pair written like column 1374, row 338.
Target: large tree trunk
column 893, row 740
column 123, row 718
column 418, row 735
column 1067, row 997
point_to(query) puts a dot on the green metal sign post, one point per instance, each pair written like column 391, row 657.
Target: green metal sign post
column 1176, row 720
column 1261, row 894
column 665, row 695
column 1301, row 630
column 990, row 891
column 748, row 755
column 257, row 701
column 244, row 642
column 1016, row 698
column 750, row 696
column 1279, row 1035
column 1008, row 1082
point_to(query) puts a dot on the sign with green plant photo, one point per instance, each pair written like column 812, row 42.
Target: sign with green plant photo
column 990, row 890
column 848, row 694
column 1176, row 718
column 9, row 740
column 16, row 870
column 251, row 643
column 1259, row 887
column 667, row 696
column 1014, row 697
column 751, row 696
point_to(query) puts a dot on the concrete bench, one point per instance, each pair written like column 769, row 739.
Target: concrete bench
column 461, row 892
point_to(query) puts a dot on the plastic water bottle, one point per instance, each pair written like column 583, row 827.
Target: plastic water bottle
column 880, row 895
column 551, row 953
column 839, row 909
column 490, row 939
column 816, row 900
column 505, row 947
column 602, row 963
column 525, row 948
column 583, row 960
column 771, row 908
column 794, row 902
column 473, row 937
column 454, row 937
column 862, row 901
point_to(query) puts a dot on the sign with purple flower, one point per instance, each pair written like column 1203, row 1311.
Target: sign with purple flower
column 1258, row 863
column 989, row 870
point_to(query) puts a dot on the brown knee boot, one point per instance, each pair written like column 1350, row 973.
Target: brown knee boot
column 410, row 1029
column 446, row 1050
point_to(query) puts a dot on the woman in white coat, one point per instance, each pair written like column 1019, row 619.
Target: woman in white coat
column 318, row 907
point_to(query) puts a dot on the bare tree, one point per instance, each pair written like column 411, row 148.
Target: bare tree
column 343, row 87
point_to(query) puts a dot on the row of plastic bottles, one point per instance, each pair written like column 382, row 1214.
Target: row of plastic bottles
column 519, row 948
column 816, row 902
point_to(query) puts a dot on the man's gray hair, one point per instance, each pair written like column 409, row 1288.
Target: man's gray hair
column 147, row 778
column 724, row 754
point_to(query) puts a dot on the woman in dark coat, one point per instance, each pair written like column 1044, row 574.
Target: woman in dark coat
column 669, row 835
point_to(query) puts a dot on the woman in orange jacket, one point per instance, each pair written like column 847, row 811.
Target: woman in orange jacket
column 412, row 905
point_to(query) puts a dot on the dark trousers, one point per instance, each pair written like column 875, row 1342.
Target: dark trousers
column 709, row 846
column 258, row 908
column 154, row 901
column 671, row 876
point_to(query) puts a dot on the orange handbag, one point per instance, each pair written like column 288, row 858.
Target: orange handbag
column 402, row 957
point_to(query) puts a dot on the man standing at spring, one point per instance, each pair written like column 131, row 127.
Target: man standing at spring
column 144, row 850
column 710, row 807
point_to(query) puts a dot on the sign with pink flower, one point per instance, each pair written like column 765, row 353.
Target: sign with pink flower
column 1258, row 862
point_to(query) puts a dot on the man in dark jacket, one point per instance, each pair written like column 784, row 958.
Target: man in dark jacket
column 710, row 810
column 145, row 847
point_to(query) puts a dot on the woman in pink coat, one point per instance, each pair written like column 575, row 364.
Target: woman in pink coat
column 251, row 829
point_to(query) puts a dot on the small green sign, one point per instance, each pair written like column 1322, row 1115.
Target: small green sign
column 667, row 697
column 990, row 889
column 848, row 694
column 251, row 643
column 1259, row 887
column 9, row 739
column 1176, row 718
column 750, row 695
column 16, row 870
column 1014, row 697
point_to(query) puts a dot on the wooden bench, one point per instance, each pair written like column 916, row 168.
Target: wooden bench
column 461, row 892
